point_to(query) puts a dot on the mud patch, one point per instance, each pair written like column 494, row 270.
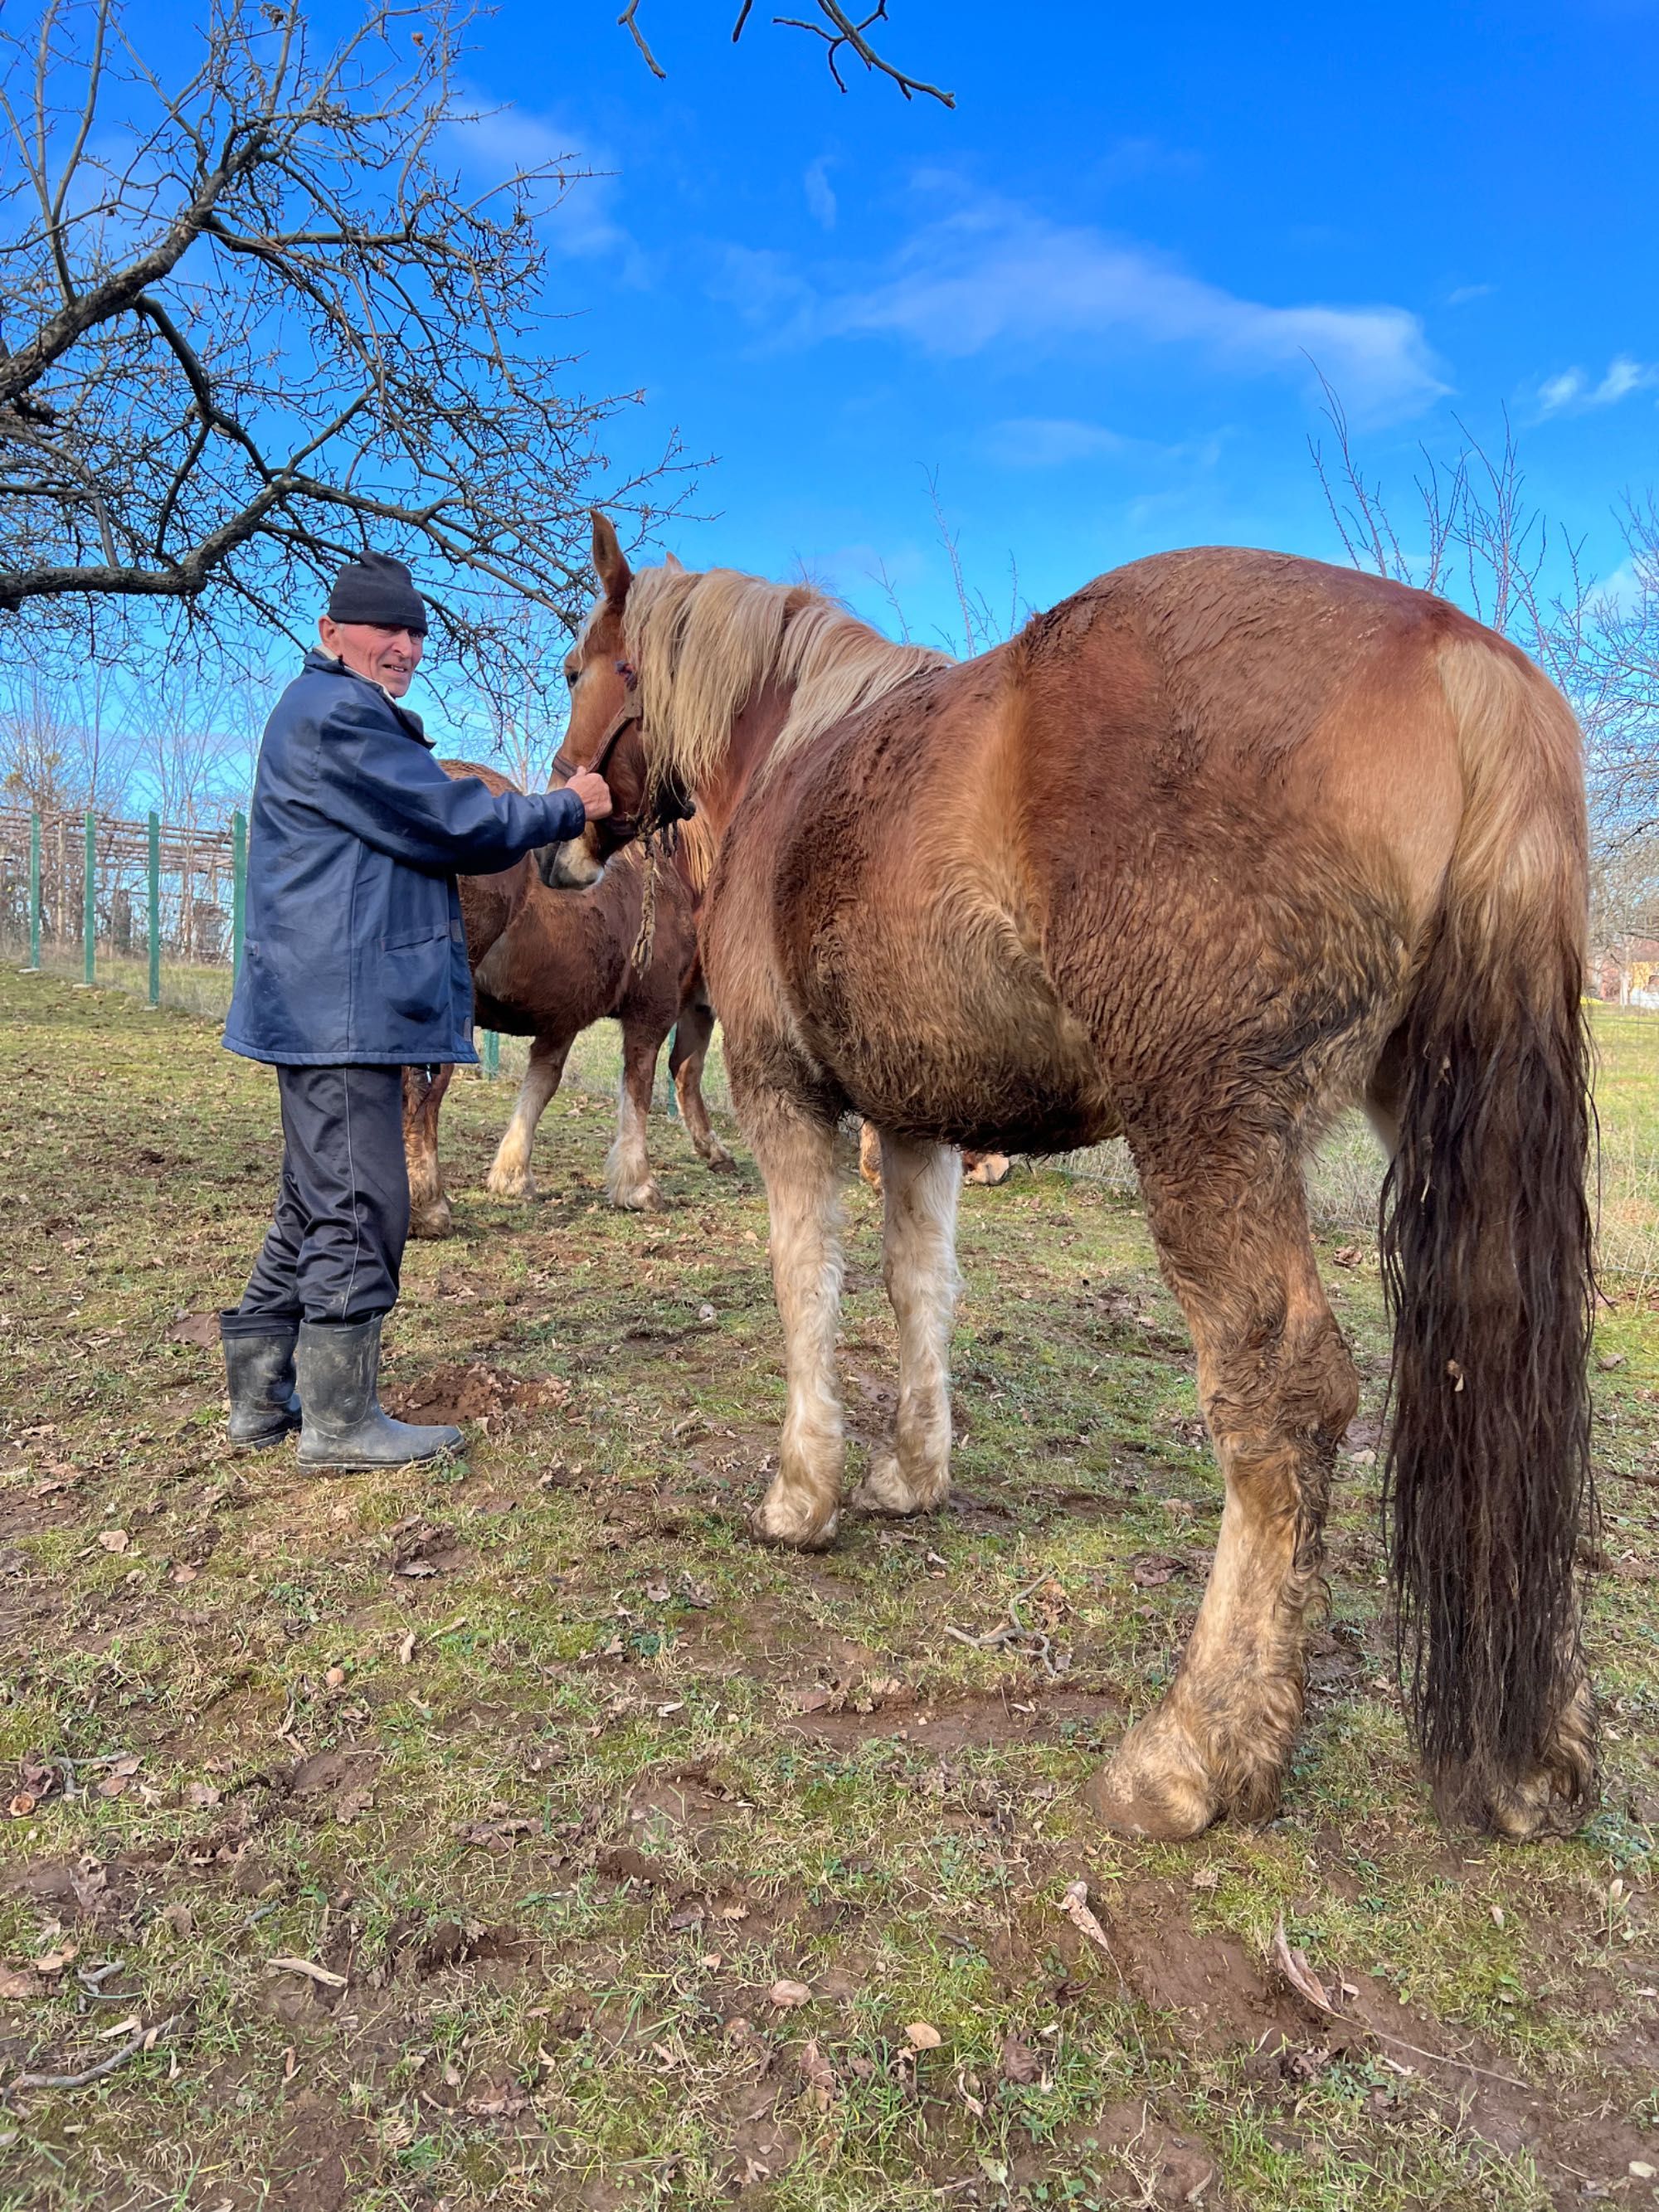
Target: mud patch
column 477, row 1393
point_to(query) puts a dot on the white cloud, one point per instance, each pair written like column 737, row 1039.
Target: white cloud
column 578, row 220
column 820, row 199
column 1573, row 390
column 991, row 273
column 1047, row 442
column 1463, row 294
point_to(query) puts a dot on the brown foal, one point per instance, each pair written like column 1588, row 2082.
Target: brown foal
column 546, row 964
column 1223, row 844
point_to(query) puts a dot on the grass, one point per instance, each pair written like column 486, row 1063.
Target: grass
column 560, row 1776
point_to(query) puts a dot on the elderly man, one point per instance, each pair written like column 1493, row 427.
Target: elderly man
column 353, row 967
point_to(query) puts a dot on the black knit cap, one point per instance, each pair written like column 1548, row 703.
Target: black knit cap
column 378, row 589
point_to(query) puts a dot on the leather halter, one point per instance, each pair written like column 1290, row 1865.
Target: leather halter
column 625, row 827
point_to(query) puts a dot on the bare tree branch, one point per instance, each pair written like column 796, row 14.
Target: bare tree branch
column 255, row 317
column 837, row 28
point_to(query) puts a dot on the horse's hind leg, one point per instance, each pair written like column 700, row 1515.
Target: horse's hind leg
column 510, row 1175
column 686, row 1054
column 628, row 1178
column 428, row 1204
column 920, row 1187
column 1278, row 1388
column 796, row 1154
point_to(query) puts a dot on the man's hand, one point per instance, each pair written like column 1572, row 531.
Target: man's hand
column 593, row 792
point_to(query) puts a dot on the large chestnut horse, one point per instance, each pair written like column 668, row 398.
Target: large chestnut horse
column 1224, row 843
column 546, row 964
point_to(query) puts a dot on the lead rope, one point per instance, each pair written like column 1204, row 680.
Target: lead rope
column 641, row 955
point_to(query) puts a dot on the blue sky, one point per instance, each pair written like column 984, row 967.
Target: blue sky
column 1084, row 299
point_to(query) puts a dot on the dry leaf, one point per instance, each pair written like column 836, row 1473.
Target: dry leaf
column 334, row 1677
column 922, row 2035
column 1297, row 1972
column 185, row 1573
column 819, row 2074
column 13, row 1986
column 406, row 1649
column 201, row 1795
column 22, row 1805
column 1020, row 2062
column 53, row 1962
column 114, row 1539
column 786, row 1995
column 121, row 2028
column 1074, row 1903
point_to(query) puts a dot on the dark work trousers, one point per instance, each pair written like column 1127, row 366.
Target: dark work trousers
column 334, row 1248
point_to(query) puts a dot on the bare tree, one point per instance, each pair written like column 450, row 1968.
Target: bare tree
column 252, row 318
column 844, row 33
column 1475, row 536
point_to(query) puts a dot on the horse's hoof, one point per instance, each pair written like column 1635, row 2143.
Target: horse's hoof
column 639, row 1198
column 433, row 1221
column 1129, row 1806
column 885, row 1490
column 719, row 1160
column 520, row 1185
column 792, row 1524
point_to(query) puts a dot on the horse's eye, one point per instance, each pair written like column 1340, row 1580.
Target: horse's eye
column 570, row 675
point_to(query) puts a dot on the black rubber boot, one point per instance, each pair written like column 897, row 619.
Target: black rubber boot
column 259, row 1370
column 339, row 1363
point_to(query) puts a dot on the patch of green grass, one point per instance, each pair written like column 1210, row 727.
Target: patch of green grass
column 563, row 1811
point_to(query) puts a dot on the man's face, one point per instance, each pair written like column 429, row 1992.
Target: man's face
column 387, row 656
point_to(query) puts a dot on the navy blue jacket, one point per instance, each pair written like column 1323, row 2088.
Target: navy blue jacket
column 354, row 949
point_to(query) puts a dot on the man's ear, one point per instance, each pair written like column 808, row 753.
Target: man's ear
column 610, row 561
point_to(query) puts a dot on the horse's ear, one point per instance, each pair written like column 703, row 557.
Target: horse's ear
column 610, row 561
column 672, row 560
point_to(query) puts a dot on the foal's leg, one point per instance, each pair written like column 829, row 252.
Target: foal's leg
column 796, row 1154
column 692, row 1032
column 1278, row 1388
column 510, row 1175
column 628, row 1178
column 428, row 1205
column 920, row 1187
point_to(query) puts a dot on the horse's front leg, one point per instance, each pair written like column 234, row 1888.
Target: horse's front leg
column 796, row 1154
column 628, row 1181
column 510, row 1173
column 920, row 1187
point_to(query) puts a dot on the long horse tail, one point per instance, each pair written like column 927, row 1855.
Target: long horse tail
column 1487, row 1267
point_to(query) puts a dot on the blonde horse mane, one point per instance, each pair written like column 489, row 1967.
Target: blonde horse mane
column 704, row 642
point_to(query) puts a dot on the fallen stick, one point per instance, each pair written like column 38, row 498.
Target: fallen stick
column 146, row 2040
column 326, row 1975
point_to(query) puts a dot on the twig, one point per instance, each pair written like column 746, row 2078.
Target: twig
column 1014, row 1627
column 146, row 2040
column 627, row 19
column 326, row 1975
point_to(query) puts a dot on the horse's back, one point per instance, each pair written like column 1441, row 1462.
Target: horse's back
column 1202, row 807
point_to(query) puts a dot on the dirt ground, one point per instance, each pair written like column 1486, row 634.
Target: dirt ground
column 516, row 1833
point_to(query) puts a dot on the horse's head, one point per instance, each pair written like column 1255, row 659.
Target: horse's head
column 606, row 730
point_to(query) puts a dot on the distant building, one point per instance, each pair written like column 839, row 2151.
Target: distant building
column 1627, row 973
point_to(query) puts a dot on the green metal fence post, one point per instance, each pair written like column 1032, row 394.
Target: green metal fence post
column 492, row 1055
column 238, row 890
column 88, row 910
column 34, row 890
column 155, row 908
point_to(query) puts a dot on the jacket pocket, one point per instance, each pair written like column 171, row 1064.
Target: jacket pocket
column 414, row 977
